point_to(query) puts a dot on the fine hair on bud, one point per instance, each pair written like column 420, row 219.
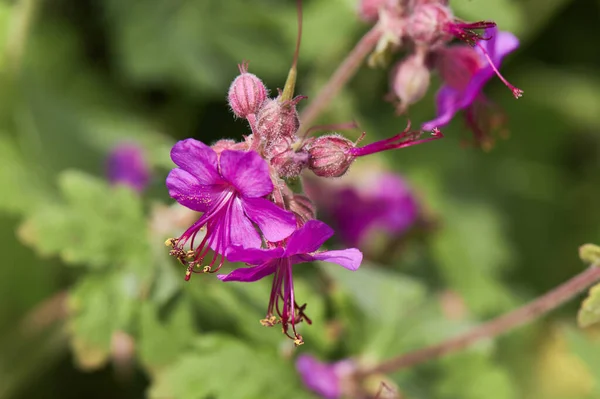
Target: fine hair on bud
column 409, row 80
column 329, row 155
column 246, row 93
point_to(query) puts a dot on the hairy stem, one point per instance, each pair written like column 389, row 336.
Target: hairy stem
column 341, row 76
column 495, row 327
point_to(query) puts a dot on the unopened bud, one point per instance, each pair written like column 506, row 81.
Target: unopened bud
column 278, row 120
column 427, row 25
column 228, row 144
column 290, row 163
column 330, row 156
column 246, row 93
column 409, row 80
column 303, row 208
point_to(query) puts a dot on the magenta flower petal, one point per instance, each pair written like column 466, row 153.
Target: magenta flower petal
column 198, row 159
column 274, row 222
column 348, row 258
column 185, row 189
column 127, row 165
column 249, row 274
column 254, row 256
column 242, row 231
column 448, row 102
column 320, row 378
column 247, row 172
column 309, row 238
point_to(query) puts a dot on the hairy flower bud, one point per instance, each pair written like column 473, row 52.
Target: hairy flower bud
column 409, row 80
column 303, row 208
column 290, row 163
column 277, row 120
column 246, row 93
column 427, row 25
column 330, row 156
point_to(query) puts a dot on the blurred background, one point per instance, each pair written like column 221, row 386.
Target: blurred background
column 92, row 306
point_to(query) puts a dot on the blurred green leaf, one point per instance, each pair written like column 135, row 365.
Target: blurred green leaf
column 589, row 313
column 99, row 306
column 223, row 367
column 163, row 338
column 474, row 375
column 97, row 225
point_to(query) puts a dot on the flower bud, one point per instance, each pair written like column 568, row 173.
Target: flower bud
column 228, row 144
column 278, row 120
column 303, row 208
column 427, row 25
column 246, row 93
column 289, row 163
column 330, row 156
column 409, row 80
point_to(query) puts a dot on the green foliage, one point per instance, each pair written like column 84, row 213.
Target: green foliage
column 222, row 367
column 96, row 225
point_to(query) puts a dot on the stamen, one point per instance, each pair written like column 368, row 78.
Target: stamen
column 515, row 90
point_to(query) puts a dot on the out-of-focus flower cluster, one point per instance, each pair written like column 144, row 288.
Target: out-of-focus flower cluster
column 426, row 28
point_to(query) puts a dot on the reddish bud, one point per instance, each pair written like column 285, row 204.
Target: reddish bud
column 246, row 93
column 409, row 80
column 330, row 156
column 277, row 120
column 303, row 208
column 228, row 144
column 427, row 25
column 290, row 163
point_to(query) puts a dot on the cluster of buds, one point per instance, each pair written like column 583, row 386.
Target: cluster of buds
column 427, row 28
column 275, row 129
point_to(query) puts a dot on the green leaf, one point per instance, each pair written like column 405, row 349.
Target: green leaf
column 589, row 313
column 474, row 375
column 100, row 305
column 97, row 225
column 163, row 339
column 387, row 299
column 224, row 367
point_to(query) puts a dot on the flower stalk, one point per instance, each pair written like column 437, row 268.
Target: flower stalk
column 493, row 328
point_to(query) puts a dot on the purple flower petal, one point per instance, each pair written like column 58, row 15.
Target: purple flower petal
column 309, row 238
column 198, row 159
column 448, row 102
column 185, row 189
column 320, row 378
column 348, row 258
column 247, row 171
column 253, row 256
column 242, row 231
column 127, row 165
column 274, row 222
column 249, row 274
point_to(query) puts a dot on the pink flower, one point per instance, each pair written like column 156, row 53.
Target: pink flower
column 324, row 379
column 465, row 71
column 126, row 165
column 301, row 247
column 229, row 189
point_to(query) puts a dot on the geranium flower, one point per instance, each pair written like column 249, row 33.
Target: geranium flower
column 465, row 71
column 229, row 189
column 300, row 247
column 324, row 379
column 126, row 165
